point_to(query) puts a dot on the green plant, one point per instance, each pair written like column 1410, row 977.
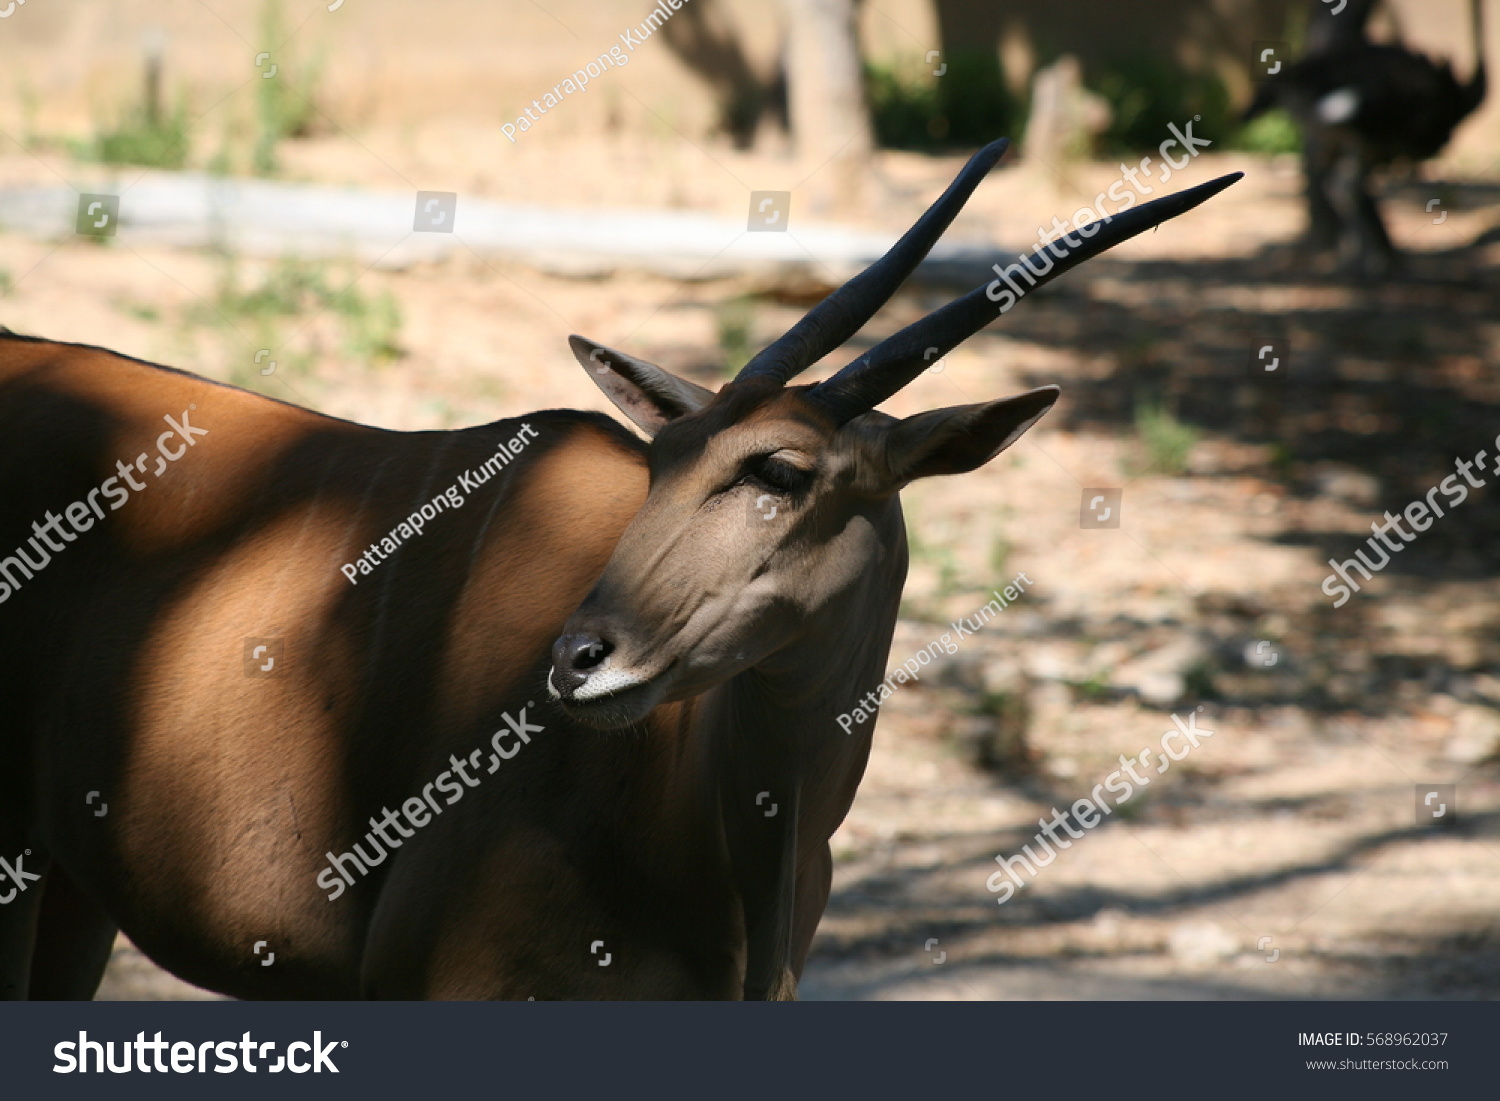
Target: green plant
column 285, row 96
column 1198, row 682
column 1283, row 462
column 284, row 291
column 31, row 137
column 905, row 107
column 1000, row 550
column 371, row 324
column 936, row 555
column 1147, row 96
column 967, row 105
column 734, row 322
column 235, row 150
column 142, row 136
column 948, row 579
column 1271, row 133
column 1095, row 686
column 1165, row 440
column 1134, row 807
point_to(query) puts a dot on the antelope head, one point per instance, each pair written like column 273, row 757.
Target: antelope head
column 768, row 503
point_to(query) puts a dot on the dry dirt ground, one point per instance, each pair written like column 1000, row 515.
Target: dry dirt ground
column 1283, row 857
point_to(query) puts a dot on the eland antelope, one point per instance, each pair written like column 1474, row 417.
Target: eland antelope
column 536, row 708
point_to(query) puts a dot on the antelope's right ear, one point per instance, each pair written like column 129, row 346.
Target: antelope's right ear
column 644, row 392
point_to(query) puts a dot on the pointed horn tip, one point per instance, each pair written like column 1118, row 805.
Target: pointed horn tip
column 1213, row 187
column 1180, row 202
column 1048, row 393
column 993, row 152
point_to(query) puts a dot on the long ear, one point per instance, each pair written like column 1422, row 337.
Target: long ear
column 961, row 438
column 644, row 392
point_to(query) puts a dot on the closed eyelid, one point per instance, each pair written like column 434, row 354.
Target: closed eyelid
column 760, row 469
column 800, row 460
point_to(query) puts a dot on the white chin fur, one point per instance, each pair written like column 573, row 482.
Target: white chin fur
column 606, row 682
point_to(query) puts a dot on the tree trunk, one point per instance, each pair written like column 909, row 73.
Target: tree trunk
column 826, row 96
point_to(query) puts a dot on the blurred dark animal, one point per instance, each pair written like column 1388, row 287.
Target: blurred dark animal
column 1362, row 105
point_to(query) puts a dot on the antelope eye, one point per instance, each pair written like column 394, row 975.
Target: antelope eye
column 777, row 474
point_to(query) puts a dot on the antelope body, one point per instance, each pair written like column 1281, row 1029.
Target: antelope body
column 627, row 669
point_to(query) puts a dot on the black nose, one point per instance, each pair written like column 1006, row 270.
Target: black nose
column 574, row 657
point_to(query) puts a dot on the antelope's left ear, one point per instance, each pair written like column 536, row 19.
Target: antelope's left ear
column 644, row 392
column 961, row 438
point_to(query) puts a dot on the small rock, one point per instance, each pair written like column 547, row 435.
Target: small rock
column 1048, row 703
column 1160, row 676
column 1201, row 943
column 1048, row 662
column 1346, row 483
column 1109, row 928
column 1475, row 736
column 1064, row 768
column 1003, row 676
